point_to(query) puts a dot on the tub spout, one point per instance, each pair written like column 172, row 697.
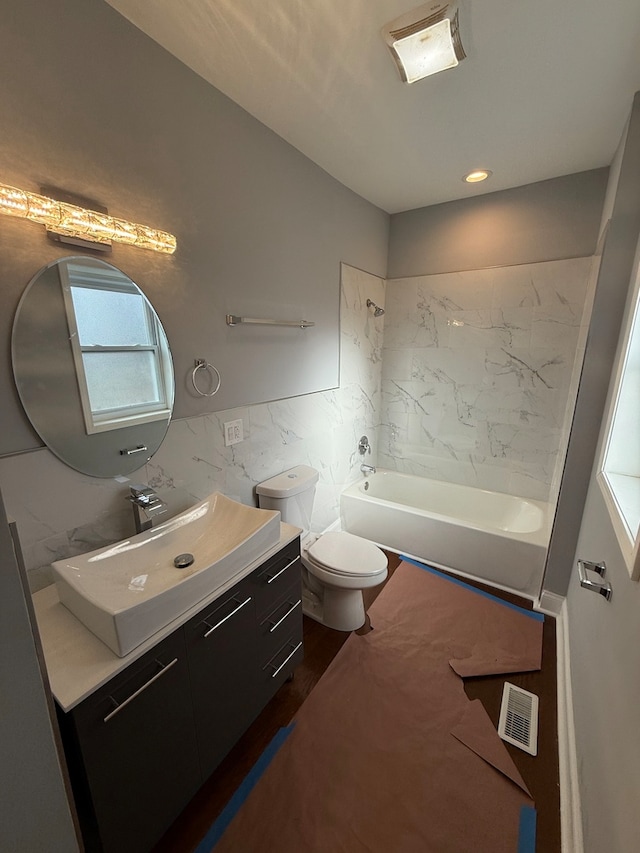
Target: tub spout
column 367, row 470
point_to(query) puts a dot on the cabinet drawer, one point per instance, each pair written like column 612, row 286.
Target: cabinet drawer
column 274, row 577
column 283, row 620
column 279, row 667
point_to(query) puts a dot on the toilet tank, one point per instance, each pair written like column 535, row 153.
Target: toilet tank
column 292, row 493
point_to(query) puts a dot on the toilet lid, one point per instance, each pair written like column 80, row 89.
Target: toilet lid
column 346, row 554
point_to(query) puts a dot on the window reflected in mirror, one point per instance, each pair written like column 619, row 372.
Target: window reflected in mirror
column 121, row 358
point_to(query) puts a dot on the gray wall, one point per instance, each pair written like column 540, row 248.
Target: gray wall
column 91, row 105
column 608, row 307
column 546, row 221
column 34, row 812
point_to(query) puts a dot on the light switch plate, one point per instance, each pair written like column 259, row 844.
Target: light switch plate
column 233, row 432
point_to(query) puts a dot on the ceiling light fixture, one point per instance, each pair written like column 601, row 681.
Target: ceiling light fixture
column 425, row 41
column 477, row 175
column 74, row 224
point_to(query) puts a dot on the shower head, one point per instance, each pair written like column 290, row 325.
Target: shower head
column 378, row 312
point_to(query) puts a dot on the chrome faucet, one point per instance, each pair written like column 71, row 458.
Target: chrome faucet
column 367, row 469
column 146, row 505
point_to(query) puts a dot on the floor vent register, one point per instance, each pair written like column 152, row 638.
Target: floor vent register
column 518, row 722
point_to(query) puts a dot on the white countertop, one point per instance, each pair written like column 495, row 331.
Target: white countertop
column 78, row 662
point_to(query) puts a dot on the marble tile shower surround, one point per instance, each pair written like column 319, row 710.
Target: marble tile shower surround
column 60, row 512
column 478, row 371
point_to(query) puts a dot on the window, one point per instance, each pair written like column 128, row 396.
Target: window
column 619, row 474
column 119, row 348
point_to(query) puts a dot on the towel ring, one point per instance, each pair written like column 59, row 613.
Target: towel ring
column 201, row 363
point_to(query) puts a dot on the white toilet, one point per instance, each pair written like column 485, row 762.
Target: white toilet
column 336, row 567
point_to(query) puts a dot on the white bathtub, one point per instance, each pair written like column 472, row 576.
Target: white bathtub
column 496, row 538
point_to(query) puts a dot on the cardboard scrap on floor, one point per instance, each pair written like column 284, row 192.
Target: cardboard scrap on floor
column 476, row 731
column 388, row 753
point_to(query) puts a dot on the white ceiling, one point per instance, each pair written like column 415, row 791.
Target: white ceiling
column 545, row 90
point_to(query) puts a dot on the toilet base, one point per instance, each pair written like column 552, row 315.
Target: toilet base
column 339, row 609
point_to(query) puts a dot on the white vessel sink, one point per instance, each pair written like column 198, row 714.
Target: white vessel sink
column 126, row 592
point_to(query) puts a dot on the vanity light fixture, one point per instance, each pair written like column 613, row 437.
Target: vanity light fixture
column 73, row 223
column 425, row 41
column 477, row 175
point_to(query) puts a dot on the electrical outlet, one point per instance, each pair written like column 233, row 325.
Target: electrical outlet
column 233, row 432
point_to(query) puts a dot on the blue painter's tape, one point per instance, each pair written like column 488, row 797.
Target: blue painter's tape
column 539, row 617
column 527, row 830
column 242, row 792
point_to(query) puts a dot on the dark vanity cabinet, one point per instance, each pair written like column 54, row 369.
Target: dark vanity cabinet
column 140, row 746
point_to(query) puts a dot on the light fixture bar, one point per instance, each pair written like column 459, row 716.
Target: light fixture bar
column 72, row 221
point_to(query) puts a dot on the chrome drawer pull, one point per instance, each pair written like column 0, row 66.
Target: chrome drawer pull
column 274, row 625
column 277, row 575
column 121, row 705
column 286, row 660
column 222, row 621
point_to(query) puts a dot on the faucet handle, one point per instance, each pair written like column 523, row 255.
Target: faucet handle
column 137, row 489
column 364, row 446
column 145, row 497
column 146, row 505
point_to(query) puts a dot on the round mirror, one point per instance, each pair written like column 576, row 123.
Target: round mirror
column 92, row 366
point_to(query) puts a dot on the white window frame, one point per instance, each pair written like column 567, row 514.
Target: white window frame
column 621, row 491
column 103, row 421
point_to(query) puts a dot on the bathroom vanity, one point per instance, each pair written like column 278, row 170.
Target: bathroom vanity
column 142, row 733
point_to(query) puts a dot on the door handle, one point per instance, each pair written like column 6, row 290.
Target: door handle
column 600, row 568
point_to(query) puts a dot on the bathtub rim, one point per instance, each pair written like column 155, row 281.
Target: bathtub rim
column 540, row 536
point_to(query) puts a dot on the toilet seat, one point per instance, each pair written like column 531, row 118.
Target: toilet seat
column 346, row 555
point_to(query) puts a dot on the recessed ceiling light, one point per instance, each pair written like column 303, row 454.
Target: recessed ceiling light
column 477, row 175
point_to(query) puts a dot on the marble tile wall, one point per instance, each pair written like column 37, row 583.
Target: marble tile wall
column 60, row 512
column 477, row 374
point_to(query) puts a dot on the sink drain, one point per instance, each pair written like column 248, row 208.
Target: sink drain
column 183, row 560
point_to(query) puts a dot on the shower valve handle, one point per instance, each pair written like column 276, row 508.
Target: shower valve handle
column 364, row 446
